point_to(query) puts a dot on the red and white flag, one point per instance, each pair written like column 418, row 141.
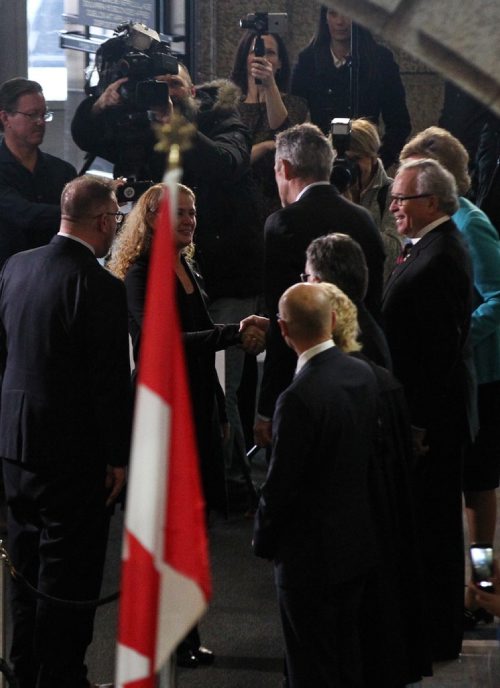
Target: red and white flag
column 165, row 572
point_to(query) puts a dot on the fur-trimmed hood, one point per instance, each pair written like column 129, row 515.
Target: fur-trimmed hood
column 219, row 94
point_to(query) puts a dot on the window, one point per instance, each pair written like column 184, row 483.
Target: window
column 46, row 60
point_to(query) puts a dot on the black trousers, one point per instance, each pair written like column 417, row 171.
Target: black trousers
column 440, row 534
column 57, row 533
column 322, row 632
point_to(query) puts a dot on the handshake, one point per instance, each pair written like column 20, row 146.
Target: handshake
column 253, row 334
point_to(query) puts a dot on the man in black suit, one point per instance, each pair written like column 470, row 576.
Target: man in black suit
column 64, row 429
column 426, row 306
column 314, row 517
column 311, row 207
column 338, row 259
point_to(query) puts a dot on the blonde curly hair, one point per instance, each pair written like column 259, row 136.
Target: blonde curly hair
column 346, row 330
column 135, row 237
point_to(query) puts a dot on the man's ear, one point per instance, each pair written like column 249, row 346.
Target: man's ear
column 288, row 171
column 283, row 328
column 3, row 117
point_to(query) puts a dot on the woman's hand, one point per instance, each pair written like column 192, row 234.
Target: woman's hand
column 262, row 69
column 488, row 600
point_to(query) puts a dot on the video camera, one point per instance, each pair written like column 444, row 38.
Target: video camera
column 345, row 170
column 137, row 53
column 265, row 22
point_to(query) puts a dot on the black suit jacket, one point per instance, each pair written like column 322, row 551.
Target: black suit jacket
column 288, row 233
column 314, row 515
column 64, row 357
column 426, row 307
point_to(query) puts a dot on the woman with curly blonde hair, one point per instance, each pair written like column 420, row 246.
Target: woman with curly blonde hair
column 346, row 330
column 135, row 236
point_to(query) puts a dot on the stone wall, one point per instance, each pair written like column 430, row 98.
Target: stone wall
column 218, row 33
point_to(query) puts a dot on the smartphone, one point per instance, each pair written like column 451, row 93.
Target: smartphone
column 481, row 557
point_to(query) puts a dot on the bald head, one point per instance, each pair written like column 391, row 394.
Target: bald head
column 305, row 316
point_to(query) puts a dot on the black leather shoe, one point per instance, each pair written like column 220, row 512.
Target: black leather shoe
column 186, row 658
column 204, row 656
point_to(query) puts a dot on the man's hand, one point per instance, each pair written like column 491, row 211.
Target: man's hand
column 110, row 97
column 253, row 340
column 263, row 432
column 163, row 115
column 116, row 477
column 257, row 321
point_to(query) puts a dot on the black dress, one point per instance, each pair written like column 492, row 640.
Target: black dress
column 201, row 340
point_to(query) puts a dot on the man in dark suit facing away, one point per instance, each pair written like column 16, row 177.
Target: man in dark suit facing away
column 314, row 518
column 427, row 306
column 64, row 429
column 312, row 207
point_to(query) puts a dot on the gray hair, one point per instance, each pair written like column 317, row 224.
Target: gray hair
column 307, row 150
column 432, row 178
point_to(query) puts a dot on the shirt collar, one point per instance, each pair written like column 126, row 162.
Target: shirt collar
column 429, row 228
column 74, row 238
column 339, row 61
column 313, row 351
column 310, row 186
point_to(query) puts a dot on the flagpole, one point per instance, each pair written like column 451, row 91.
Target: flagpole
column 167, row 677
column 165, row 568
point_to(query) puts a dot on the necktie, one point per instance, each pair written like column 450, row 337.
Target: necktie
column 405, row 252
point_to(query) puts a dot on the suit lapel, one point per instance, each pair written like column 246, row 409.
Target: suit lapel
column 413, row 256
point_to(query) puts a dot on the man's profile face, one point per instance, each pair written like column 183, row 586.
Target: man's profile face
column 19, row 129
column 413, row 214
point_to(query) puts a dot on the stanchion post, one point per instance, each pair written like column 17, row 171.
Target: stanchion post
column 3, row 618
column 168, row 675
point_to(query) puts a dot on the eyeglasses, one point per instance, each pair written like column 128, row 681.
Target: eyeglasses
column 399, row 200
column 304, row 276
column 35, row 116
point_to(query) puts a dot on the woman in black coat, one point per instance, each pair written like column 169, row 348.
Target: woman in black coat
column 202, row 338
column 322, row 76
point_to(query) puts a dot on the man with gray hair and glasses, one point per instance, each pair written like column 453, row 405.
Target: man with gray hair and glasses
column 31, row 182
column 426, row 306
column 312, row 207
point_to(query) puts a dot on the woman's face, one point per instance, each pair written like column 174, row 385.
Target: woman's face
column 186, row 221
column 271, row 51
column 339, row 26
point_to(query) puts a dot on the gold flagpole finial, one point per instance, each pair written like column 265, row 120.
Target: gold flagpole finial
column 174, row 138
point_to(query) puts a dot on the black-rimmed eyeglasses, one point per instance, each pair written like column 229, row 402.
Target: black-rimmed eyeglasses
column 398, row 200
